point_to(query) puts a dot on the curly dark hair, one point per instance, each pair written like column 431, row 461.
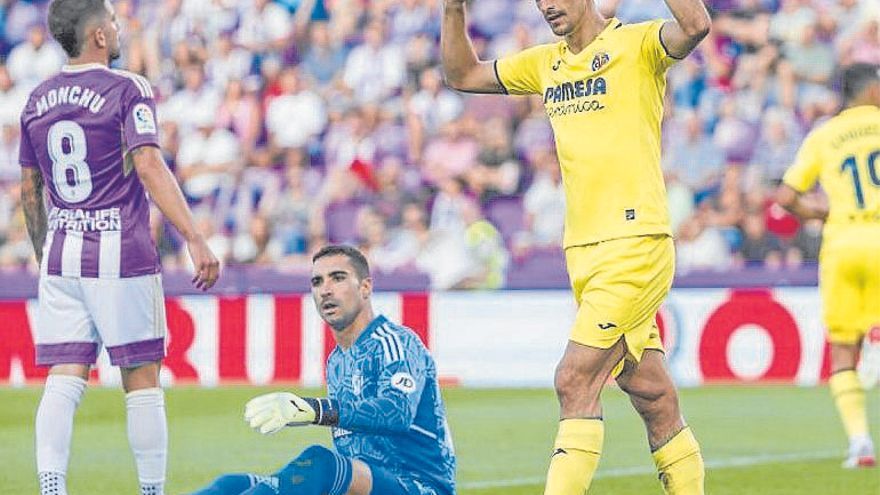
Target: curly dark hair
column 68, row 20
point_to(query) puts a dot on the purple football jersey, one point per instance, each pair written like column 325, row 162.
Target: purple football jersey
column 77, row 127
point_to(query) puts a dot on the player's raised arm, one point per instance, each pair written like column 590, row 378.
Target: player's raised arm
column 463, row 70
column 691, row 25
column 34, row 208
column 165, row 192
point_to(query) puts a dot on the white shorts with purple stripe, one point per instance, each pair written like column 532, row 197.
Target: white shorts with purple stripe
column 78, row 315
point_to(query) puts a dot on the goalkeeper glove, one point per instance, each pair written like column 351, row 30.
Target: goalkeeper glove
column 270, row 413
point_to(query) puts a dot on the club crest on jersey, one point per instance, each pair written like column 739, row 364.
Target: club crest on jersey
column 599, row 60
column 357, row 383
column 144, row 122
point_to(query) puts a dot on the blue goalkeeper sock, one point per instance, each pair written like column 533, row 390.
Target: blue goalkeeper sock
column 317, row 471
column 237, row 484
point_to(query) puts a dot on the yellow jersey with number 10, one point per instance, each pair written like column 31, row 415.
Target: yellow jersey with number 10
column 605, row 105
column 844, row 155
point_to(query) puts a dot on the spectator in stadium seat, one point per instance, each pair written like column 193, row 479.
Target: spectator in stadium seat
column 16, row 251
column 452, row 153
column 434, row 104
column 409, row 18
column 35, row 59
column 758, row 245
column 349, row 139
column 680, row 199
column 733, row 135
column 700, row 247
column 775, row 151
column 255, row 245
column 787, row 24
column 227, row 62
column 293, row 213
column 240, row 113
column 258, row 188
column 543, row 203
column 468, row 255
column 497, row 171
column 325, row 56
column 295, row 100
column 862, row 46
column 447, row 212
column 374, row 70
column 809, row 64
column 265, row 28
column 208, row 161
column 197, row 95
column 694, row 159
column 12, row 98
column 805, row 245
column 10, row 171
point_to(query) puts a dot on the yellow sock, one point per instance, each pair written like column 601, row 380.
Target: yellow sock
column 849, row 397
column 576, row 455
column 680, row 465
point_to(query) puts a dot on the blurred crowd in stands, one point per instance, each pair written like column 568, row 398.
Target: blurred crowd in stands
column 291, row 123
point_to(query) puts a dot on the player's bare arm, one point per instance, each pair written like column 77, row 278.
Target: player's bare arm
column 691, row 25
column 800, row 205
column 165, row 192
column 34, row 208
column 463, row 70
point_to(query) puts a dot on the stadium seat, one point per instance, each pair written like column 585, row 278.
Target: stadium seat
column 506, row 213
column 340, row 220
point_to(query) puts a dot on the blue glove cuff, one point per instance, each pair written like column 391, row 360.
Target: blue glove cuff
column 326, row 411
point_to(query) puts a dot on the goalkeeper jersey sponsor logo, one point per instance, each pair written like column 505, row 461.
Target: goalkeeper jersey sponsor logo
column 404, row 382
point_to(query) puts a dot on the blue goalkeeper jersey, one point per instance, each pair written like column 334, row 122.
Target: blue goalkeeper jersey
column 391, row 413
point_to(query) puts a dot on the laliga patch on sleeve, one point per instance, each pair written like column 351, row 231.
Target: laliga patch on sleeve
column 404, row 382
column 144, row 122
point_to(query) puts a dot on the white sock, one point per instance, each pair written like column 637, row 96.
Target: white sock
column 54, row 428
column 52, row 484
column 148, row 437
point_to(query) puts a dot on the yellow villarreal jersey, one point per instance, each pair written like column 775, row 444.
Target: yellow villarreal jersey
column 843, row 154
column 605, row 105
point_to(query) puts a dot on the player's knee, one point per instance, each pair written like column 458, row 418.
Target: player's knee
column 317, row 454
column 575, row 387
column 140, row 377
column 317, row 470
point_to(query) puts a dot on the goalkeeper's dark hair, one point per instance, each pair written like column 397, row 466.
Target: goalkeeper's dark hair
column 856, row 77
column 355, row 257
column 68, row 20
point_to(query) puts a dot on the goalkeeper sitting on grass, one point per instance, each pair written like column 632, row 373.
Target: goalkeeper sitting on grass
column 383, row 405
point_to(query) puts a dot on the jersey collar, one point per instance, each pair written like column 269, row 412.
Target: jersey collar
column 73, row 69
column 377, row 322
column 613, row 24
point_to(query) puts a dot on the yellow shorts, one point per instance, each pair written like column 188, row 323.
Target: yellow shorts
column 849, row 282
column 619, row 286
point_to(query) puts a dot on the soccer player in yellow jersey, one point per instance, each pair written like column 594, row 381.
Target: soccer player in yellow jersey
column 843, row 154
column 602, row 85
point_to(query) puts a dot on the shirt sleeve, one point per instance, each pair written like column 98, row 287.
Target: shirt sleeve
column 400, row 385
column 520, row 73
column 139, row 122
column 26, row 156
column 653, row 52
column 802, row 176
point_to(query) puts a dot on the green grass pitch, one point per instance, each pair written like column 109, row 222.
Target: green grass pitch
column 757, row 440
